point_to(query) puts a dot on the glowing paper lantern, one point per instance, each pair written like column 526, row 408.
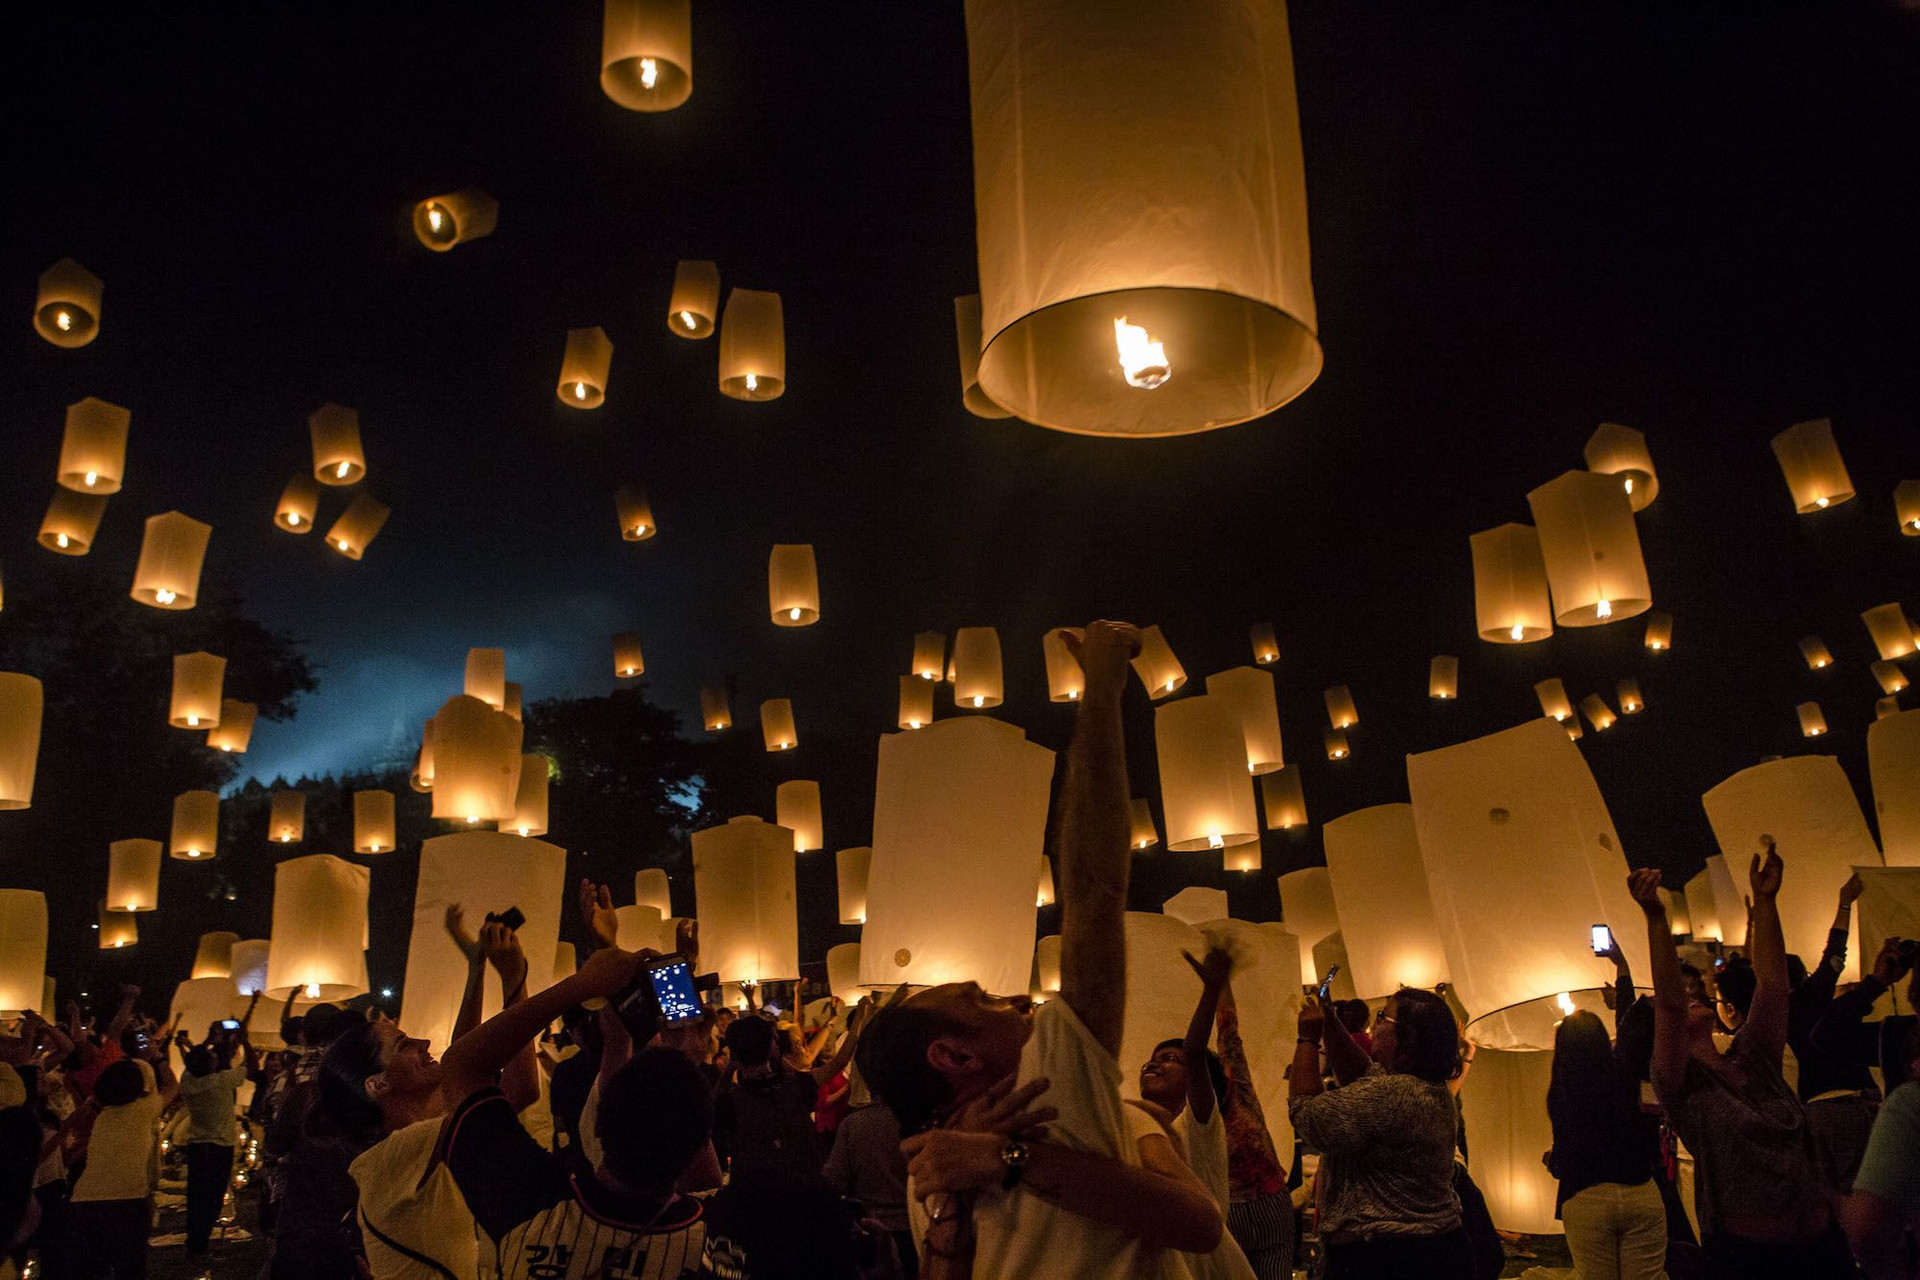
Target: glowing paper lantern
column 486, row 677
column 168, row 574
column 476, row 761
column 1043, row 893
column 1891, row 629
column 1631, row 703
column 974, row 784
column 634, row 512
column 1329, row 952
column 133, row 875
column 66, row 311
column 118, row 929
column 1812, row 723
column 1728, row 901
column 646, row 53
column 977, row 681
column 421, row 779
column 1597, row 712
column 1156, row 666
column 1889, row 905
column 1204, row 790
column 776, row 725
column 1046, row 964
column 1679, row 919
column 1893, row 766
column 1306, row 908
column 357, row 526
column 1553, row 698
column 929, row 654
column 199, row 1003
column 1591, row 548
column 196, row 825
column 1335, row 741
column 213, row 958
column 851, row 867
column 843, row 972
column 1621, row 452
column 320, row 928
column 93, row 450
column 373, row 822
column 966, row 325
column 796, row 807
column 715, row 714
column 1266, row 649
column 1510, row 598
column 1141, row 833
column 1703, row 905
column 1248, row 694
column 235, row 730
column 638, row 928
column 793, row 585
column 1884, row 707
column 1196, row 904
column 1572, row 726
column 1282, row 799
column 1906, row 507
column 627, row 658
column 1815, row 651
column 441, row 222
column 1241, row 857
column 1810, row 460
column 249, row 965
column 695, row 300
column 1443, row 678
column 584, row 367
column 753, row 346
column 337, row 456
column 650, row 889
column 1891, row 678
column 1341, row 713
column 916, row 702
column 298, row 504
column 197, row 681
column 1386, row 916
column 287, row 817
column 743, row 877
column 71, row 521
column 23, row 951
column 1659, row 631
column 1504, row 1100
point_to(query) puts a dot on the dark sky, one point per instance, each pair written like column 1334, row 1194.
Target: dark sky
column 1525, row 220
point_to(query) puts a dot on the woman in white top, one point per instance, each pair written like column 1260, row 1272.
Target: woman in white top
column 112, row 1205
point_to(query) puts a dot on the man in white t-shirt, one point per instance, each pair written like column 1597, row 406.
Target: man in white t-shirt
column 1093, row 1199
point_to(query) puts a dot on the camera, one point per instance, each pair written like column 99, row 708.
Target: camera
column 512, row 917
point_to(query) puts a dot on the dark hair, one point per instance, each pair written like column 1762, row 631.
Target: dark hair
column 892, row 1058
column 199, row 1061
column 343, row 1106
column 750, row 1041
column 1353, row 1014
column 293, row 1029
column 1736, row 985
column 1591, row 1097
column 325, row 1023
column 1796, row 971
column 20, row 1140
column 119, row 1084
column 1216, row 1069
column 654, row 1116
column 1426, row 1038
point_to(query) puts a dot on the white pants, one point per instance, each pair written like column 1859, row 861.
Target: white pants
column 1617, row 1232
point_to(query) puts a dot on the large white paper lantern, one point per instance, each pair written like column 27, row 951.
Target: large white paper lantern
column 1141, row 833
column 213, row 957
column 529, row 816
column 21, row 701
column 776, row 725
column 299, row 503
column 1597, row 712
column 320, row 929
column 1266, row 649
column 1248, row 694
column 1591, row 548
column 196, row 825
column 1510, row 597
column 639, row 928
column 357, row 526
column 197, row 681
column 715, row 712
column 1892, row 630
column 476, row 761
column 628, row 661
column 235, row 730
column 695, row 299
column 118, row 929
column 584, row 367
column 633, row 511
column 1205, row 793
column 1335, row 741
column 171, row 552
column 1811, row 462
column 199, row 1003
column 1306, row 908
column 338, row 458
column 1282, row 799
column 566, row 962
column 1553, row 698
column 646, row 53
column 1729, row 901
column 1504, row 1101
column 1893, row 765
column 93, row 450
column 1443, row 677
column 1066, row 682
column 851, row 867
column 1196, row 904
column 977, row 682
column 23, row 951
column 1889, row 906
column 66, row 310
column 1156, row 666
column 960, row 815
column 753, row 346
column 651, row 889
column 441, row 222
column 1379, row 888
column 843, row 972
column 1046, row 965
column 287, row 817
column 1330, row 957
column 250, row 959
column 1621, row 452
column 796, row 806
column 133, row 875
column 966, row 326
column 743, row 884
column 1341, row 713
column 793, row 585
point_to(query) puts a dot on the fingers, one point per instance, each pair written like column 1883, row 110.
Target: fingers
column 915, row 1145
column 1010, row 1103
column 1033, row 1119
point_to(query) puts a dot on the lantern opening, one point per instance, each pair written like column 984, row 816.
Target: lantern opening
column 1519, row 631
column 1142, row 360
column 1603, row 609
column 293, row 517
column 639, row 532
column 794, row 614
column 913, row 724
column 649, row 73
column 92, row 478
column 579, row 391
column 164, row 595
column 63, row 320
column 1819, row 502
column 1565, row 999
column 686, row 318
column 1216, row 841
column 979, row 701
column 436, row 218
column 61, row 539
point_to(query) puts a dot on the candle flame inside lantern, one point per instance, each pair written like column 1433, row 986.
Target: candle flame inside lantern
column 579, row 391
column 1629, row 483
column 639, row 531
column 1519, row 632
column 63, row 320
column 345, row 545
column 1142, row 360
column 1215, row 841
column 1819, row 502
column 313, row 991
column 794, row 613
column 61, row 540
column 293, row 517
column 1604, row 609
column 753, row 382
column 164, row 596
column 979, row 701
column 92, row 478
column 342, row 470
column 686, row 318
column 913, row 724
column 649, row 73
column 435, row 218
column 1565, row 1002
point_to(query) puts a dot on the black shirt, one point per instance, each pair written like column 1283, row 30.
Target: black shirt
column 1820, row 1071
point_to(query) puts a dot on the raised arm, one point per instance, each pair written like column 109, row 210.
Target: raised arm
column 475, row 1061
column 286, row 1015
column 520, row 1078
column 1347, row 1060
column 122, row 1015
column 1668, row 1067
column 1240, row 1090
column 1766, row 1021
column 1213, row 972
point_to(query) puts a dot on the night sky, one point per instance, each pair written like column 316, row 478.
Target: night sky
column 1525, row 221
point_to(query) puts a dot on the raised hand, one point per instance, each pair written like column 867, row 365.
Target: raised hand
column 1103, row 652
column 596, row 912
column 686, row 939
column 501, row 947
column 1765, row 870
column 456, row 923
column 1314, row 1013
column 1212, row 971
column 1850, row 891
column 609, row 971
column 1893, row 962
column 1644, row 884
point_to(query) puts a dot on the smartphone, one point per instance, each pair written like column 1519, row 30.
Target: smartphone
column 663, row 997
column 1602, row 941
column 1326, row 981
column 228, row 1024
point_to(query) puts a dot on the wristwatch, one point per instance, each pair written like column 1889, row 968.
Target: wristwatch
column 1014, row 1156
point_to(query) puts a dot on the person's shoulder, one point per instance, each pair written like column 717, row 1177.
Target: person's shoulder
column 1903, row 1104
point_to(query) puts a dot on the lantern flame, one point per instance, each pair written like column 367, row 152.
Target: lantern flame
column 753, row 382
column 1565, row 1003
column 165, row 595
column 1142, row 360
column 686, row 318
column 342, row 470
column 435, row 218
column 313, row 991
column 1820, row 502
column 649, row 73
column 92, row 478
column 1629, row 484
column 794, row 613
column 61, row 540
column 293, row 517
column 979, row 700
column 1519, row 631
column 1216, row 841
column 63, row 320
column 1604, row 609
column 913, row 724
column 579, row 391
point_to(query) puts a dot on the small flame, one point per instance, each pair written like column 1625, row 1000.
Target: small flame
column 1216, row 841
column 435, row 218
column 1604, row 609
column 293, row 517
column 649, row 73
column 639, row 531
column 345, row 545
column 1142, row 360
column 979, row 700
column 686, row 318
column 92, row 478
column 62, row 320
column 342, row 470
column 579, row 391
column 1519, row 631
column 313, row 991
column 1565, row 1003
column 794, row 613
column 913, row 724
column 1819, row 502
column 164, row 596
column 61, row 540
column 753, row 382
column 1169, row 684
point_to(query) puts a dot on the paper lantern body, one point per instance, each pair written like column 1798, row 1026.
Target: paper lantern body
column 715, row 714
column 1510, row 596
column 338, row 458
column 1591, row 548
column 1065, row 681
column 235, row 730
column 514, row 693
column 1906, row 507
column 1621, row 452
column 1891, row 678
column 476, row 761
column 1156, row 666
column 1807, row 805
column 977, row 680
column 1386, row 916
column 200, row 1002
column 1812, row 722
column 1893, row 764
column 776, row 725
column 1703, row 906
column 628, row 661
column 1141, row 833
column 1815, row 651
column 71, row 522
column 1889, row 907
column 1443, row 678
column 486, row 676
column 966, row 325
column 213, row 958
column 1521, row 798
column 1283, row 800
column 1729, row 901
column 197, row 681
column 298, row 505
column 1336, row 743
column 23, row 951
column 1205, row 794
column 796, row 807
column 1196, row 904
column 1892, row 630
column 916, row 702
column 1329, row 952
column 1266, row 649
column 287, row 817
column 1631, row 703
column 743, row 883
column 843, row 972
column 320, row 928
column 793, row 585
column 1306, row 908
column 635, row 513
column 66, row 311
column 249, row 965
column 584, row 367
column 753, row 346
column 1043, row 895
column 1553, row 698
column 1505, row 1105
column 168, row 574
column 93, row 451
column 646, row 53
column 695, row 300
column 133, row 875
column 441, row 222
column 1816, row 476
column 1884, row 707
column 1241, row 857
column 960, row 816
column 118, row 929
column 357, row 526
column 1341, row 713
column 1659, row 631
column 373, row 822
column 651, row 889
column 566, row 961
column 639, row 927
column 1597, row 712
column 483, row 871
column 929, row 654
column 1046, row 965
column 196, row 825
column 851, row 867
column 1248, row 694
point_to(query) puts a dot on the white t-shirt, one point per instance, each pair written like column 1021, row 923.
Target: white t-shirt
column 1206, row 1151
column 123, row 1156
column 402, row 1201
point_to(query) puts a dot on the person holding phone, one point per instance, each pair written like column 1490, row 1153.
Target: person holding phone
column 209, row 1090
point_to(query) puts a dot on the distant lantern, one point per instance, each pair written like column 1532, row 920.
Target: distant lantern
column 1679, row 918
column 1621, row 452
column 248, row 965
column 695, row 300
column 1816, row 475
column 1891, row 629
column 743, row 885
column 651, row 888
column 1046, row 964
column 793, row 585
column 1572, row 725
column 1631, row 703
column 93, row 452
column 1591, row 548
column 1815, row 651
column 118, row 929
column 373, row 822
column 715, row 713
column 1341, row 713
column 197, row 680
column 213, row 957
column 357, row 526
column 1266, row 649
column 1659, row 631
column 1283, row 800
column 1511, row 602
column 850, row 869
column 486, row 677
column 966, row 325
column 529, row 817
column 1306, row 908
column 1241, row 857
column 441, row 222
column 646, row 53
column 1703, row 907
column 584, row 367
column 235, row 731
column 133, row 875
column 319, row 929
column 1205, row 794
column 196, row 825
column 843, row 973
column 71, row 522
column 916, row 703
column 1597, row 712
column 21, row 701
column 1248, row 694
column 1553, row 698
column 1066, row 682
column 635, row 513
column 1906, row 507
column 753, row 346
column 1893, row 767
column 1335, row 741
column 776, row 724
column 627, row 659
column 476, row 761
column 66, row 311
column 1812, row 723
column 1141, row 833
column 168, row 574
column 1443, row 678
column 1884, row 707
column 1043, row 893
column 421, row 779
column 977, row 681
column 287, row 817
column 512, row 701
column 796, row 807
column 299, row 503
column 1156, row 666
column 337, row 456
column 929, row 654
column 1379, row 889
column 1891, row 678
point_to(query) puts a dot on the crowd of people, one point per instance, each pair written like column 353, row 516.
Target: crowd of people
column 952, row 1132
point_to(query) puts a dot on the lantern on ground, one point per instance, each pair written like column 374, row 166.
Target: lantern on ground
column 1597, row 712
column 1386, row 916
column 793, row 585
column 1906, row 507
column 1893, row 767
column 287, row 817
column 196, row 826
column 1815, row 651
column 843, row 973
column 743, row 884
column 584, row 367
column 1812, row 722
column 1335, row 741
column 213, row 958
column 1141, row 833
column 133, row 875
column 646, row 53
column 1891, row 629
column 197, row 681
column 1810, row 460
column 299, row 503
column 753, row 346
column 21, row 699
column 1510, row 598
column 373, row 822
column 628, row 661
column 357, row 526
column 476, row 761
column 1443, row 678
column 966, row 325
column 1621, row 452
column 1659, row 631
column 651, row 889
column 71, row 522
column 1591, row 548
column 1282, row 799
column 1306, row 908
column 66, row 310
column 1043, row 893
column 776, row 725
column 850, row 868
column 695, row 300
column 118, row 929
column 1196, row 904
column 1204, row 789
column 976, row 668
column 1553, row 698
column 23, row 951
column 796, row 807
column 1891, row 678
column 1248, row 694
column 634, row 512
column 1046, row 965
column 249, row 965
column 1341, row 713
column 486, row 677
column 171, row 551
column 1631, row 703
column 1156, row 666
column 916, row 703
column 93, row 450
column 1066, row 682
column 235, row 730
column 1266, row 649
column 441, row 222
column 337, row 456
column 929, row 654
column 1505, row 1108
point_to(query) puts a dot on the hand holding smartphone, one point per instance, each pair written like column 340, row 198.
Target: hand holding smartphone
column 1602, row 941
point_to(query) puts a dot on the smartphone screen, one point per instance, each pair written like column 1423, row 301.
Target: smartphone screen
column 230, row 1024
column 674, row 990
column 1602, row 939
column 1326, row 981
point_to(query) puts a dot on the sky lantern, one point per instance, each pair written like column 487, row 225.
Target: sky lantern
column 966, row 325
column 628, row 661
column 421, row 778
column 715, row 712
column 196, row 826
column 197, row 681
column 1659, row 631
column 1597, row 712
column 213, row 956
column 651, row 888
column 476, row 761
column 929, row 654
column 1120, row 327
column 1156, row 666
column 793, row 585
column 287, row 817
column 850, row 869
column 843, row 973
column 1046, row 964
column 776, row 724
column 695, row 300
column 1380, row 889
column 1241, row 857
column 743, row 884
column 319, row 947
column 373, row 822
column 118, row 929
column 1306, row 908
column 1266, row 649
column 1679, row 918
column 1503, row 1106
column 357, row 526
column 1891, row 678
column 1205, row 793
column 584, row 367
column 337, row 456
column 1065, row 680
column 1729, row 900
column 635, row 513
column 1510, row 599
column 93, row 451
column 1141, row 833
column 512, row 700
column 486, row 677
column 1631, row 703
column 646, row 53
column 1443, row 678
column 1812, row 722
column 1703, row 906
column 1335, row 741
column 972, row 783
column 66, row 311
column 1282, row 799
column 1341, row 713
column 1815, row 651
column 71, row 522
column 1248, row 694
column 1553, row 698
column 1891, row 629
column 235, row 730
column 133, row 875
column 1893, row 766
column 916, row 702
column 1884, row 707
column 977, row 682
column 1043, row 893
column 1906, row 507
column 171, row 551
column 1811, row 462
column 299, row 503
column 1621, row 452
column 753, row 346
column 248, row 964
column 796, row 806
column 1591, row 548
column 441, row 222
